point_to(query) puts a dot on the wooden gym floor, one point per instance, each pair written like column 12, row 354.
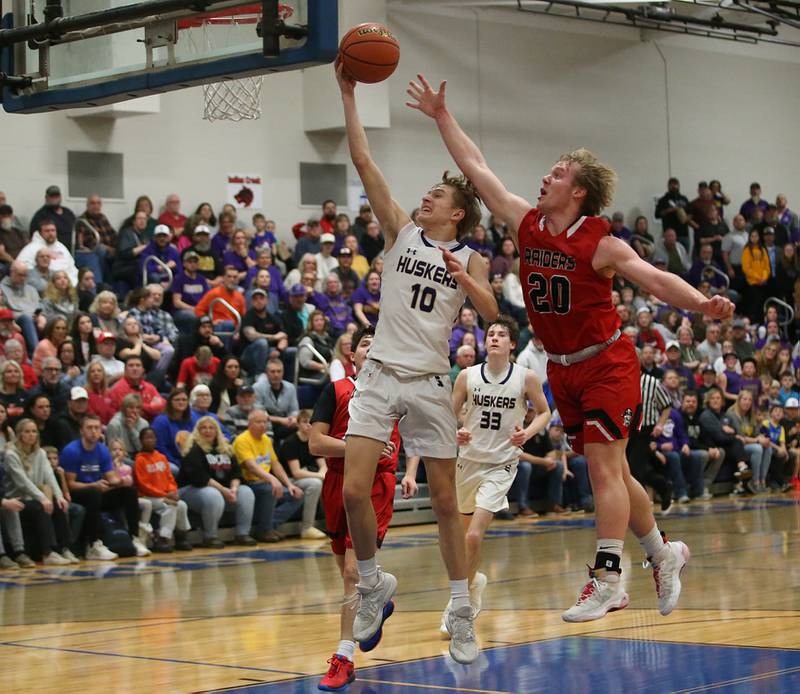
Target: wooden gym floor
column 267, row 620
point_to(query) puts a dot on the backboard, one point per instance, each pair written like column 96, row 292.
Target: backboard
column 155, row 46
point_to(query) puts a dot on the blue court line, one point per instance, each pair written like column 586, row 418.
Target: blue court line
column 176, row 661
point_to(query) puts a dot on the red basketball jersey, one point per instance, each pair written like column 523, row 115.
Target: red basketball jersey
column 344, row 389
column 569, row 304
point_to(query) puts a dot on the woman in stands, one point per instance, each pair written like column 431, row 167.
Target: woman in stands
column 29, row 477
column 757, row 272
column 225, row 384
column 240, row 255
column 60, row 298
column 747, row 425
column 82, row 335
column 210, row 481
column 100, row 402
column 12, row 392
column 318, row 338
column 130, row 343
column 72, row 372
column 176, row 418
column 55, row 332
column 105, row 313
column 143, row 204
column 341, row 364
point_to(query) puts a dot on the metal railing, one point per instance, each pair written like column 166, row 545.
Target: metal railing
column 317, row 380
column 781, row 304
column 237, row 318
column 157, row 261
column 722, row 274
column 86, row 226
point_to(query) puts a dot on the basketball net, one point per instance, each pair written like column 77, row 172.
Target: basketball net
column 233, row 99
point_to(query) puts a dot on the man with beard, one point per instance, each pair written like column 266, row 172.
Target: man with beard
column 62, row 217
column 328, row 221
column 209, row 264
column 700, row 445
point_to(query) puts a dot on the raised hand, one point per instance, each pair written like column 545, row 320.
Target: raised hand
column 346, row 83
column 454, row 265
column 424, row 98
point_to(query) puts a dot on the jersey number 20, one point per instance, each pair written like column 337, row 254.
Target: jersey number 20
column 549, row 297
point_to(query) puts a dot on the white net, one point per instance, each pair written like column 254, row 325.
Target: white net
column 234, row 99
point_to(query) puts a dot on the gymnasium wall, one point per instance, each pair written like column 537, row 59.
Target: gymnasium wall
column 526, row 88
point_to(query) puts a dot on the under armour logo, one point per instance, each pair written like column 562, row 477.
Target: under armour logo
column 412, row 251
column 439, row 381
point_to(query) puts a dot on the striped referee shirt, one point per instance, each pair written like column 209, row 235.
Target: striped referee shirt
column 655, row 400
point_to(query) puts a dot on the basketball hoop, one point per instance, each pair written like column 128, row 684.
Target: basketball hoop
column 234, row 99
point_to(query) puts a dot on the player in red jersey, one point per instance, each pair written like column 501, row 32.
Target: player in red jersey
column 328, row 428
column 567, row 261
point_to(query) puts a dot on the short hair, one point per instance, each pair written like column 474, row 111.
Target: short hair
column 304, row 415
column 131, row 400
column 598, row 179
column 465, row 197
column 325, row 202
column 90, row 416
column 360, row 334
column 203, row 352
column 463, row 349
column 509, row 324
column 275, row 362
column 134, row 357
column 147, row 430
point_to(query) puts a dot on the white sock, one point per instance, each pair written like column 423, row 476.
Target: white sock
column 346, row 649
column 367, row 571
column 459, row 593
column 652, row 543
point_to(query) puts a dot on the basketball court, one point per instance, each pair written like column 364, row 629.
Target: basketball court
column 266, row 620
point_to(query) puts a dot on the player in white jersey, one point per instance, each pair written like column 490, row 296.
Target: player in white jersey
column 427, row 276
column 493, row 398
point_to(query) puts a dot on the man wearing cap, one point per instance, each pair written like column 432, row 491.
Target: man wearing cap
column 261, row 333
column 67, row 425
column 131, row 243
column 326, row 262
column 51, row 384
column 171, row 216
column 310, row 243
column 188, row 287
column 673, row 362
column 753, row 202
column 106, row 345
column 236, row 417
column 46, row 238
column 23, row 300
column 62, row 217
column 671, row 209
column 618, row 227
column 295, row 315
column 160, row 247
column 209, row 263
column 741, row 345
column 345, row 272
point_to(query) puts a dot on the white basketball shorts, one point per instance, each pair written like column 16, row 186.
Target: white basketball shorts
column 422, row 404
column 481, row 485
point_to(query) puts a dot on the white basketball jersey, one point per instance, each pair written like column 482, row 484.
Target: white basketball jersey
column 494, row 406
column 420, row 301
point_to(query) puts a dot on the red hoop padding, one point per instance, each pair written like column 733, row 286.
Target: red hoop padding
column 246, row 14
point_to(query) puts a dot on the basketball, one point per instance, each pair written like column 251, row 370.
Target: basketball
column 369, row 52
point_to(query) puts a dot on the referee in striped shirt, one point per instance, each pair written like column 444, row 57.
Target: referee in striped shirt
column 645, row 467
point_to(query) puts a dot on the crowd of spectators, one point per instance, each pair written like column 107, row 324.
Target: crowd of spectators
column 162, row 373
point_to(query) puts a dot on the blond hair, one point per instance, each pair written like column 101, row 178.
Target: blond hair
column 220, row 442
column 54, row 295
column 598, row 180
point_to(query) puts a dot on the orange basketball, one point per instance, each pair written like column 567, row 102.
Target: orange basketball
column 369, row 52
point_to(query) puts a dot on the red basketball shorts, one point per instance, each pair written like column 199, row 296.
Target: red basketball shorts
column 600, row 399
column 336, row 518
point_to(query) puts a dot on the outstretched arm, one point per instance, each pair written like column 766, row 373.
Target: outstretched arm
column 508, row 207
column 615, row 256
column 390, row 215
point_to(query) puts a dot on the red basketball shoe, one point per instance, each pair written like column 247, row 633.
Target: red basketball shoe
column 340, row 674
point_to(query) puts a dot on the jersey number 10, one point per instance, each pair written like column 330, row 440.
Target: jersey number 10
column 558, row 289
column 426, row 297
